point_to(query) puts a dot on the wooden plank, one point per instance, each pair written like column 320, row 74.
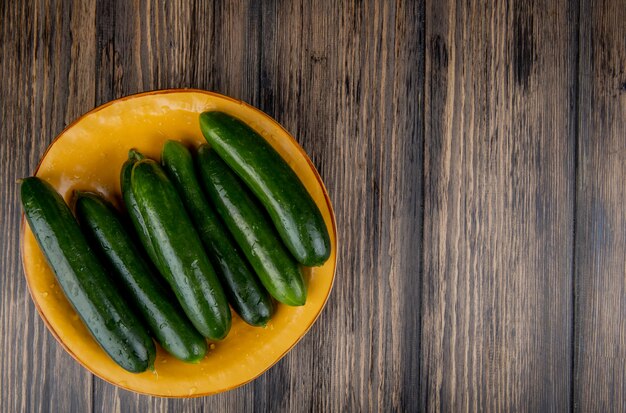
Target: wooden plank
column 44, row 83
column 346, row 79
column 180, row 44
column 600, row 333
column 498, row 208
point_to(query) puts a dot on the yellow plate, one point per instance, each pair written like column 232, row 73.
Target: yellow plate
column 89, row 155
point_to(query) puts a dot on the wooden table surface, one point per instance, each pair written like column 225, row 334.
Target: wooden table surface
column 475, row 155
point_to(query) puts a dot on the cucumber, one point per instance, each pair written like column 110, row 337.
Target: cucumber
column 168, row 323
column 180, row 253
column 131, row 206
column 247, row 296
column 294, row 213
column 83, row 278
column 252, row 230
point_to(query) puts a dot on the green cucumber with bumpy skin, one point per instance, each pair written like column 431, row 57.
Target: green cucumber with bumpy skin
column 168, row 323
column 83, row 278
column 292, row 209
column 254, row 233
column 245, row 293
column 179, row 249
column 131, row 205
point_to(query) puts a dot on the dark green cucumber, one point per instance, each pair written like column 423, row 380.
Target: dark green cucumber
column 294, row 213
column 166, row 319
column 254, row 233
column 83, row 278
column 181, row 255
column 131, row 205
column 245, row 293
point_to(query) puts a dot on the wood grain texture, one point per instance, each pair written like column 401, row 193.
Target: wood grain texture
column 600, row 335
column 498, row 206
column 346, row 80
column 348, row 84
column 474, row 154
column 44, row 84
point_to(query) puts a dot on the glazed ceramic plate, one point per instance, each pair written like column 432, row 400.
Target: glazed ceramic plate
column 88, row 155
